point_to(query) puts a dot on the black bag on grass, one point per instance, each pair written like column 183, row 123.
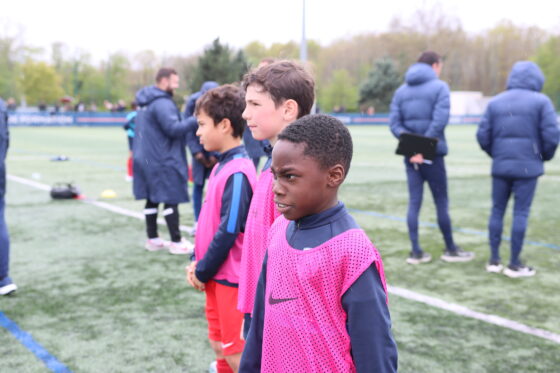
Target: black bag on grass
column 64, row 191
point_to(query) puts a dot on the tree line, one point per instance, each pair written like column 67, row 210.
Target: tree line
column 352, row 73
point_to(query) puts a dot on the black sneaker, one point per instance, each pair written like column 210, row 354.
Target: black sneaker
column 417, row 258
column 519, row 271
column 457, row 255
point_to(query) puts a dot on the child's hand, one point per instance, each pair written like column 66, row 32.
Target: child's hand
column 189, row 271
column 198, row 285
column 191, row 277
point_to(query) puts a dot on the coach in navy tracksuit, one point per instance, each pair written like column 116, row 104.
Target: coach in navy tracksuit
column 160, row 162
column 203, row 161
column 519, row 130
column 6, row 284
column 421, row 106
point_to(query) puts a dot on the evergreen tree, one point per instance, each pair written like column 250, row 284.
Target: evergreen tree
column 219, row 63
column 381, row 83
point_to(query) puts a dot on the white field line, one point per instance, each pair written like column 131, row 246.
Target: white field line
column 103, row 205
column 401, row 292
column 464, row 311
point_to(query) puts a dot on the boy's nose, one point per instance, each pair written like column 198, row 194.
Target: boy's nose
column 245, row 114
column 277, row 188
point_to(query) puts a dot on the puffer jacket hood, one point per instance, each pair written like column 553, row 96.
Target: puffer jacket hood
column 148, row 94
column 419, row 73
column 526, row 75
column 206, row 86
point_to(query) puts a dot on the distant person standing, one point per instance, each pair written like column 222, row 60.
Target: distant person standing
column 6, row 284
column 160, row 162
column 202, row 161
column 519, row 130
column 129, row 127
column 421, row 106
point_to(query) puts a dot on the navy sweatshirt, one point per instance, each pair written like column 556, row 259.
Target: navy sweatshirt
column 369, row 324
column 232, row 219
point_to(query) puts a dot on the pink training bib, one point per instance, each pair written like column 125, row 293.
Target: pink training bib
column 209, row 219
column 305, row 324
column 261, row 216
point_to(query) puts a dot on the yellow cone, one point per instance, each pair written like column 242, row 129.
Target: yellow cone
column 108, row 193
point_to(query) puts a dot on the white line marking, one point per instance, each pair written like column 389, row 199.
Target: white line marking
column 103, row 205
column 464, row 311
column 401, row 292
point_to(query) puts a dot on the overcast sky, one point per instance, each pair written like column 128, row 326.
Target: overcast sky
column 184, row 27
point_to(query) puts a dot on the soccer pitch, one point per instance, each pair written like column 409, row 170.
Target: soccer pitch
column 98, row 302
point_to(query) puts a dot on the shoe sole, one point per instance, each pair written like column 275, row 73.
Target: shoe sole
column 418, row 261
column 495, row 269
column 456, row 259
column 515, row 274
column 8, row 289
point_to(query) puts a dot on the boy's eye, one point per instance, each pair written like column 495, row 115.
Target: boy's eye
column 290, row 177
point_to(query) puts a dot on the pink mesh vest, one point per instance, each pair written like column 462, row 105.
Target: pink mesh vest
column 261, row 216
column 305, row 324
column 209, row 219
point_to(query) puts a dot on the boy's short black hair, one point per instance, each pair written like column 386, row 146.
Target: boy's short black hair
column 325, row 138
column 226, row 101
column 429, row 57
column 284, row 80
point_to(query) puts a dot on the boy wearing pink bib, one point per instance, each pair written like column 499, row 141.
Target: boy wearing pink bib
column 276, row 95
column 219, row 237
column 321, row 302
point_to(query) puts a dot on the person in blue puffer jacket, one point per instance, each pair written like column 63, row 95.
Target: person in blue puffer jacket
column 160, row 162
column 519, row 130
column 421, row 106
column 202, row 161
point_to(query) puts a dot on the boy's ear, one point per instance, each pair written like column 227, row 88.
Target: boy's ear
column 335, row 175
column 291, row 109
column 225, row 126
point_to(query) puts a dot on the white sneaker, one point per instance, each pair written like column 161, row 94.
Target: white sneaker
column 184, row 247
column 155, row 244
column 519, row 271
column 494, row 267
column 213, row 368
column 7, row 286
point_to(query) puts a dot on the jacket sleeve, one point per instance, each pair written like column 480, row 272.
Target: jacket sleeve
column 549, row 131
column 440, row 116
column 252, row 353
column 233, row 215
column 484, row 132
column 395, row 117
column 168, row 117
column 369, row 324
column 192, row 140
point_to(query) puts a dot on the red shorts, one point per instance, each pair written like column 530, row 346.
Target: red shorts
column 224, row 320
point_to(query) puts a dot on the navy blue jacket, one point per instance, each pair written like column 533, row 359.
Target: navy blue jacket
column 191, row 101
column 421, row 105
column 199, row 172
column 233, row 215
column 254, row 147
column 369, row 323
column 519, row 129
column 4, row 144
column 160, row 162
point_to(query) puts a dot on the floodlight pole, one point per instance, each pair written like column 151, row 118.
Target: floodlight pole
column 303, row 45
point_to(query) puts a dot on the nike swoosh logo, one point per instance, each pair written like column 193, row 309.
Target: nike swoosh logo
column 227, row 345
column 273, row 301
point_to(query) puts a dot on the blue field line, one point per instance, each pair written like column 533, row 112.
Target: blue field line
column 27, row 340
column 71, row 159
column 461, row 230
